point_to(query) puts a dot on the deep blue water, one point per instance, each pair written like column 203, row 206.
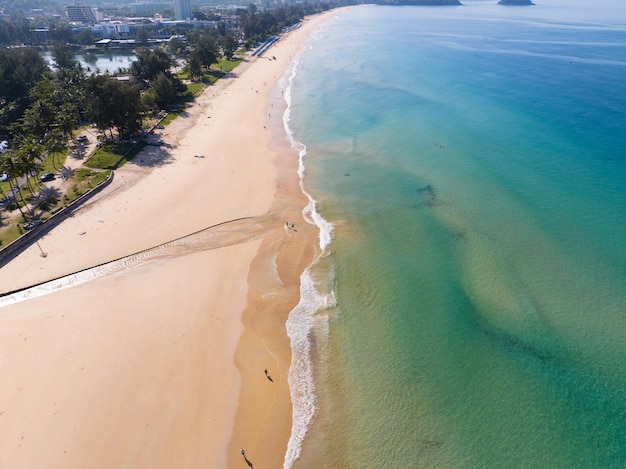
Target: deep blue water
column 472, row 161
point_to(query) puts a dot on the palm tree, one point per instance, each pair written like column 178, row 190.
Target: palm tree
column 3, row 170
column 29, row 161
column 14, row 171
column 56, row 146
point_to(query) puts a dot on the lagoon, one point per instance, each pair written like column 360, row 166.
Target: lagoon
column 100, row 61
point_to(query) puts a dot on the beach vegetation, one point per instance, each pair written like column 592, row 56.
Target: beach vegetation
column 193, row 69
column 163, row 90
column 63, row 55
column 106, row 156
column 176, row 46
column 259, row 25
column 84, row 180
column 173, row 114
column 9, row 232
column 114, row 155
column 228, row 64
column 194, row 89
column 229, row 43
column 20, row 70
column 113, row 105
column 150, row 64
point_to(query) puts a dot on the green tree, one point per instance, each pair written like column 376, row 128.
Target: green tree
column 149, row 64
column 112, row 104
column 30, row 154
column 176, row 46
column 20, row 70
column 11, row 166
column 204, row 48
column 55, row 105
column 19, row 163
column 194, row 66
column 85, row 37
column 164, row 90
column 149, row 100
column 143, row 35
column 229, row 45
column 63, row 55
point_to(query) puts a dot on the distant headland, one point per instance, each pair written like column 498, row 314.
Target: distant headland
column 420, row 2
column 515, row 2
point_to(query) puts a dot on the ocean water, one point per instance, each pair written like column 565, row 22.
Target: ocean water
column 467, row 168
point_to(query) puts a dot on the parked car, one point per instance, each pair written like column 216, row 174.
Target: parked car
column 29, row 225
column 82, row 139
column 46, row 177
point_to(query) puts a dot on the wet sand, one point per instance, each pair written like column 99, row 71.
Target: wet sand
column 163, row 365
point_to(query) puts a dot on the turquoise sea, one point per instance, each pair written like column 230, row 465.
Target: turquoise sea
column 467, row 168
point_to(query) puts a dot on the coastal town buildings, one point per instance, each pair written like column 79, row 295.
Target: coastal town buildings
column 182, row 9
column 82, row 13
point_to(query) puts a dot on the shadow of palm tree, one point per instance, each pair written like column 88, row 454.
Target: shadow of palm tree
column 46, row 198
column 66, row 172
column 79, row 152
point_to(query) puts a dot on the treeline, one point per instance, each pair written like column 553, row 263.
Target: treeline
column 22, row 30
column 38, row 104
column 18, row 6
column 257, row 25
column 42, row 105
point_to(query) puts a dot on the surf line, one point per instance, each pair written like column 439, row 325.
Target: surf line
column 188, row 243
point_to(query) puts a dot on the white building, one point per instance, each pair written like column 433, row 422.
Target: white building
column 111, row 30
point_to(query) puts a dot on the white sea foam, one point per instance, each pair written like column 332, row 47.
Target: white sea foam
column 299, row 325
column 301, row 320
column 310, row 213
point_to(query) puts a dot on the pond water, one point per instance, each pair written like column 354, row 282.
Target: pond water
column 100, row 61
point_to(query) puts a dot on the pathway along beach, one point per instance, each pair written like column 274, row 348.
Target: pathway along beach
column 162, row 364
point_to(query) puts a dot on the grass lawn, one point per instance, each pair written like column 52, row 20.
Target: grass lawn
column 11, row 233
column 84, row 180
column 195, row 88
column 4, row 187
column 228, row 65
column 114, row 155
column 213, row 75
column 53, row 162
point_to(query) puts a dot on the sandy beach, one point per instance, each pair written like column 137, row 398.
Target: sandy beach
column 168, row 362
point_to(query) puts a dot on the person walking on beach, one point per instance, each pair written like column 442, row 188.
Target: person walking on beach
column 243, row 452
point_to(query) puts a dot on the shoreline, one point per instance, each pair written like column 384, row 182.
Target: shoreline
column 162, row 364
column 263, row 422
